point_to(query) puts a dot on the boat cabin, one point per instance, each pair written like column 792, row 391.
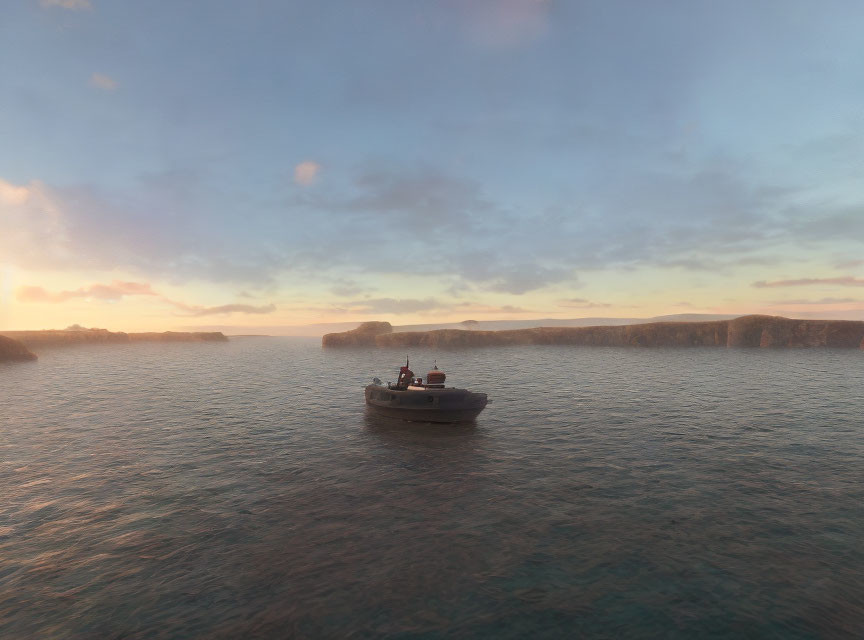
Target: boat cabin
column 407, row 382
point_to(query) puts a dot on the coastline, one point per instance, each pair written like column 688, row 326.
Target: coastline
column 752, row 331
column 19, row 345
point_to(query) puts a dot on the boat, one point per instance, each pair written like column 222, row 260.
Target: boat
column 413, row 399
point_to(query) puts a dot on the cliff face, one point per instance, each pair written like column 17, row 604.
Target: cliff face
column 12, row 350
column 661, row 334
column 747, row 331
column 363, row 336
column 35, row 339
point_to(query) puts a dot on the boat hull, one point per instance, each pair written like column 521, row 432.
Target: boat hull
column 428, row 405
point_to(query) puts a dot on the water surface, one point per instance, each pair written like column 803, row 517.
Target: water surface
column 241, row 489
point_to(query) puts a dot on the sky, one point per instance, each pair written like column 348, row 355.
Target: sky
column 174, row 164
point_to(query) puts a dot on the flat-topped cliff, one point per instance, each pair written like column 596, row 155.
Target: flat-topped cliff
column 35, row 339
column 746, row 331
column 13, row 350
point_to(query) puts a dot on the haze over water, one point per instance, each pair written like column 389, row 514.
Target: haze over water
column 241, row 489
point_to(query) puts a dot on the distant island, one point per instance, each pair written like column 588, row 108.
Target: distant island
column 745, row 331
column 13, row 342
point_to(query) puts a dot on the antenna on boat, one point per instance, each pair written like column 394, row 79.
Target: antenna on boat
column 406, row 361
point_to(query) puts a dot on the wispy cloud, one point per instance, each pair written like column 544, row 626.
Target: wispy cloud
column 800, row 301
column 582, row 303
column 395, row 305
column 843, row 281
column 11, row 194
column 101, row 81
column 196, row 311
column 84, row 228
column 306, row 173
column 117, row 290
column 345, row 288
column 114, row 291
column 170, row 226
column 72, row 5
column 429, row 306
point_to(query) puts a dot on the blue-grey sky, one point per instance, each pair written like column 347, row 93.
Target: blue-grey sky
column 283, row 162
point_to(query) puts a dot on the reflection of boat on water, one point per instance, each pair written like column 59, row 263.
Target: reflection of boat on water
column 413, row 399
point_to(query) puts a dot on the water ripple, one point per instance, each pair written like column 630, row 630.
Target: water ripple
column 241, row 489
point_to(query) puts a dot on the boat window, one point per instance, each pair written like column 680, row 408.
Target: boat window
column 430, row 398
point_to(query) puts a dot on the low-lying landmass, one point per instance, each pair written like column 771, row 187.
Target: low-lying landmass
column 14, row 351
column 746, row 331
column 62, row 337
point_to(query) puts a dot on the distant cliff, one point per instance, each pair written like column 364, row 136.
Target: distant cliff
column 35, row 339
column 746, row 331
column 178, row 336
column 365, row 335
column 13, row 350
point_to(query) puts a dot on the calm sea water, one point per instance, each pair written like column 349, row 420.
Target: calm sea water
column 241, row 490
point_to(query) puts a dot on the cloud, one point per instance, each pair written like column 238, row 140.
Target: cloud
column 197, row 311
column 526, row 277
column 117, row 290
column 843, row 281
column 101, row 81
column 34, row 230
column 582, row 303
column 306, row 173
column 477, row 243
column 176, row 225
column 851, row 264
column 491, row 272
column 837, row 223
column 114, row 291
column 394, row 305
column 347, row 288
column 820, row 301
column 508, row 308
column 72, row 5
column 430, row 306
column 162, row 229
column 11, row 194
column 712, row 264
column 417, row 199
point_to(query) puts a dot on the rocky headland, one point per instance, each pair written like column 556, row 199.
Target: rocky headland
column 14, row 351
column 63, row 337
column 366, row 335
column 746, row 331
